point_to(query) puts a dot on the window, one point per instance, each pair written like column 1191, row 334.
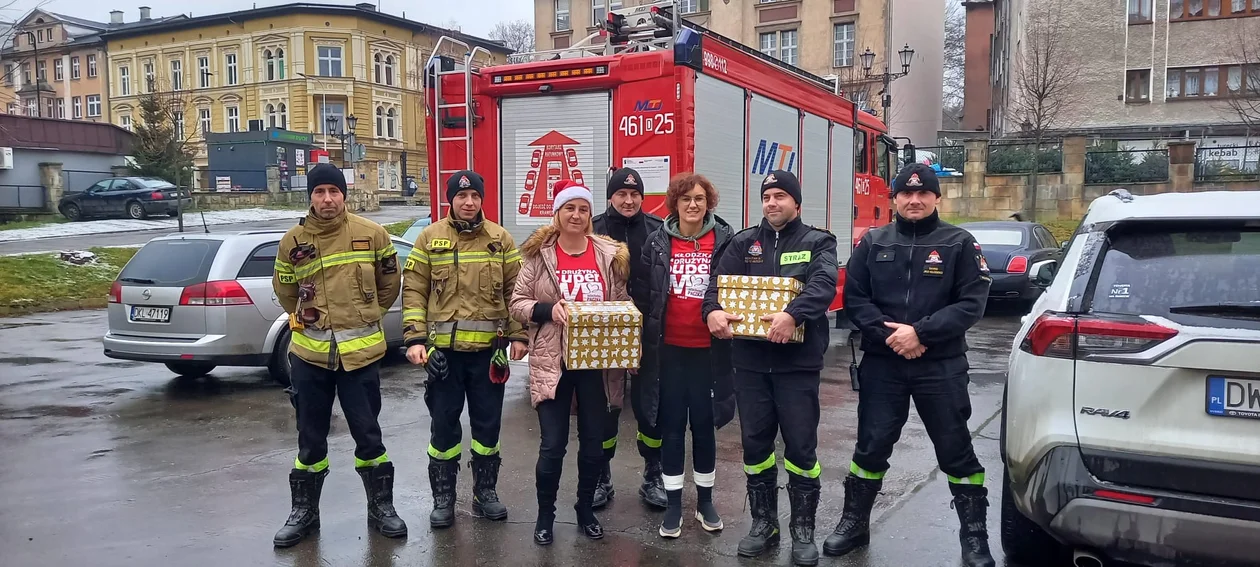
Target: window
column 693, row 6
column 376, row 68
column 334, row 109
column 562, row 15
column 13, row 108
column 203, row 116
column 177, row 75
column 42, row 70
column 32, row 109
column 231, row 68
column 329, row 61
column 94, row 106
column 780, row 44
column 1139, row 11
column 280, row 63
column 48, row 107
column 269, row 61
column 77, row 104
column 284, row 116
column 390, row 124
column 148, row 85
column 844, row 41
column 261, row 264
column 860, row 162
column 389, row 70
column 59, row 73
column 10, row 70
column 91, row 60
column 768, row 43
column 380, row 122
column 125, row 122
column 383, row 69
column 1200, row 9
column 1200, row 82
column 60, row 108
column 203, row 72
column 233, row 119
column 26, row 73
column 275, row 115
column 74, row 68
column 1137, row 85
column 177, row 118
column 39, row 35
column 124, row 81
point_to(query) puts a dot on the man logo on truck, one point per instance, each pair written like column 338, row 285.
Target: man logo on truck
column 764, row 160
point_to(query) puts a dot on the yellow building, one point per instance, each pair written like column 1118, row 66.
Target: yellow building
column 291, row 66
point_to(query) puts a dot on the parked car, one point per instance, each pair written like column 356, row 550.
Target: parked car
column 413, row 232
column 135, row 197
column 199, row 301
column 1010, row 248
column 1128, row 426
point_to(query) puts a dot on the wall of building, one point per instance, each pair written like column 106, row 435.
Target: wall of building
column 978, row 81
column 916, row 105
column 66, row 89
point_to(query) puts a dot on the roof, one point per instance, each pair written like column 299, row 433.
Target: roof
column 368, row 11
column 1199, row 205
column 89, row 38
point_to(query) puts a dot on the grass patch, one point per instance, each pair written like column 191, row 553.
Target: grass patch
column 400, row 227
column 15, row 225
column 1062, row 229
column 42, row 282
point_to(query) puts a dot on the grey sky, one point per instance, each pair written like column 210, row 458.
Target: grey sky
column 470, row 14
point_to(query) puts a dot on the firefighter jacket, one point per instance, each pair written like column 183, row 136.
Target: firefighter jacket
column 352, row 268
column 457, row 284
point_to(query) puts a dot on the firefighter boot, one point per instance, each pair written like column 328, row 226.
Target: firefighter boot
column 442, row 477
column 485, row 499
column 378, row 482
column 604, row 489
column 854, row 529
column 653, row 489
column 970, row 502
column 305, row 487
column 803, row 495
column 763, row 500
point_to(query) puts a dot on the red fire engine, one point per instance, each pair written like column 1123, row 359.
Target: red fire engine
column 638, row 94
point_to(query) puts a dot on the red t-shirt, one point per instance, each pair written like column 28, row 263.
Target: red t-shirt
column 579, row 276
column 688, row 280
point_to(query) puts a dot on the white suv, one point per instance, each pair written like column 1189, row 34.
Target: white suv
column 1129, row 425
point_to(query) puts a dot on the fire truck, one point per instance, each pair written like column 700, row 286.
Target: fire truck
column 664, row 96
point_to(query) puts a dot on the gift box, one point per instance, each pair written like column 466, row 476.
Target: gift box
column 754, row 297
column 603, row 335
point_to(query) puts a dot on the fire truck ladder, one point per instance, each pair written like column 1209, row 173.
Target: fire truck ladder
column 637, row 28
column 433, row 68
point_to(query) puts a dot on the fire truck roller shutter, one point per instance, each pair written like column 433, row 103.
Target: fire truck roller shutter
column 720, row 144
column 814, row 172
column 772, row 144
column 573, row 135
column 842, row 190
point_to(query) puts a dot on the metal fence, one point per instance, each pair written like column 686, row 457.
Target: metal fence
column 22, row 197
column 949, row 157
column 247, row 180
column 1227, row 163
column 1126, row 166
column 79, row 180
column 1017, row 158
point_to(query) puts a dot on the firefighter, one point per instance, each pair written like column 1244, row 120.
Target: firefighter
column 776, row 381
column 457, row 284
column 626, row 222
column 336, row 274
column 914, row 288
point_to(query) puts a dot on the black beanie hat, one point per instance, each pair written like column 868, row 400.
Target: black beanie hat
column 325, row 174
column 917, row 177
column 625, row 178
column 785, row 180
column 466, row 179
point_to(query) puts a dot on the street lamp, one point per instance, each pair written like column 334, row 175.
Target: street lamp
column 341, row 134
column 887, row 77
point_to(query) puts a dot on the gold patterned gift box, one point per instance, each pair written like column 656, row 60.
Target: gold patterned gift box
column 753, row 297
column 603, row 335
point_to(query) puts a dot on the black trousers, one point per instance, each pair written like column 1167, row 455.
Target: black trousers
column 687, row 396
column 648, row 435
column 468, row 379
column 939, row 391
column 314, row 389
column 785, row 403
column 553, row 423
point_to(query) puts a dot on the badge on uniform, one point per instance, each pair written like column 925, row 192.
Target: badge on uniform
column 754, row 253
column 932, row 266
column 439, row 244
column 360, row 245
column 390, row 264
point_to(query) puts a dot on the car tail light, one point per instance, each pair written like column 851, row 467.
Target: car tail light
column 1125, row 497
column 215, row 294
column 157, row 196
column 1017, row 265
column 115, row 293
column 1061, row 336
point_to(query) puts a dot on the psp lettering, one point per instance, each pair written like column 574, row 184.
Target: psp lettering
column 581, row 285
column 689, row 275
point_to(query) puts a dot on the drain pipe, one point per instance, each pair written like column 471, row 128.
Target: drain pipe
column 1081, row 558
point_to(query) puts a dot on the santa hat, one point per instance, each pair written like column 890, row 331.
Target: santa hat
column 566, row 190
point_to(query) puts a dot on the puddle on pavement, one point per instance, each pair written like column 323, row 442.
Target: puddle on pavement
column 36, row 412
column 128, row 364
column 111, row 393
column 25, row 383
column 27, row 360
column 7, row 326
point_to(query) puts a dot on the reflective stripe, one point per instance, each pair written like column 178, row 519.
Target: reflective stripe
column 480, row 449
column 650, row 442
column 307, row 270
column 672, row 482
column 302, row 339
column 609, row 444
column 410, row 315
column 352, row 345
column 863, row 473
column 448, row 326
column 359, row 463
column 798, row 471
column 297, row 464
column 462, row 336
column 760, row 467
column 704, row 479
column 283, row 267
column 446, row 455
column 320, row 341
column 419, row 256
column 465, row 257
column 976, row 479
column 511, row 256
column 387, row 251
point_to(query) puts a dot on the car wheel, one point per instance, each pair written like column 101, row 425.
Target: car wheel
column 72, row 212
column 136, row 211
column 190, row 369
column 280, row 368
column 173, row 214
column 1023, row 541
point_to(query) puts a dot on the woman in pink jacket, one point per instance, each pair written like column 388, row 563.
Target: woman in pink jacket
column 564, row 262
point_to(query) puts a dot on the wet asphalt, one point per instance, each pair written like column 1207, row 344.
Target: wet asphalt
column 106, row 462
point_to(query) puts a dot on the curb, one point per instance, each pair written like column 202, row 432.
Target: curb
column 54, row 306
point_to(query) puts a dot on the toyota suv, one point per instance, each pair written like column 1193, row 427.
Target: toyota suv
column 1129, row 425
column 197, row 301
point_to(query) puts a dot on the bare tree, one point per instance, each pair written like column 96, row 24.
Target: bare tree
column 955, row 51
column 1048, row 74
column 516, row 35
column 1244, row 99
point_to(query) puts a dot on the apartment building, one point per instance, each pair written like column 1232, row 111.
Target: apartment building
column 54, row 65
column 291, row 66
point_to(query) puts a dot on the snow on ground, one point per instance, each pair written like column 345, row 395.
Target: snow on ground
column 128, row 225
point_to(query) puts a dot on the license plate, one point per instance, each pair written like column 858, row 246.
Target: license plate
column 1233, row 397
column 150, row 314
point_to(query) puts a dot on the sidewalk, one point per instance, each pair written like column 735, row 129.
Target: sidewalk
column 86, row 228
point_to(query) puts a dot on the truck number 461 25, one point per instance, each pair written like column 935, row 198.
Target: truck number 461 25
column 647, row 124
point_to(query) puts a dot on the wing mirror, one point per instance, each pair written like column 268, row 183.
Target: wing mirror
column 1043, row 273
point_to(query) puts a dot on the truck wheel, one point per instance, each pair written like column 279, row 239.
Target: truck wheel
column 280, row 368
column 1023, row 541
column 190, row 369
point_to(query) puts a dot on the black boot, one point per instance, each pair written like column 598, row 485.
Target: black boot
column 378, row 482
column 653, row 489
column 305, row 488
column 763, row 498
column 854, row 529
column 588, row 475
column 803, row 494
column 485, row 477
column 547, row 482
column 604, row 489
column 442, row 477
column 970, row 502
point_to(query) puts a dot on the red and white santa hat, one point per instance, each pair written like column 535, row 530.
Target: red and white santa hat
column 566, row 190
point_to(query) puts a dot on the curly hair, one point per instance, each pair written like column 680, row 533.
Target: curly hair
column 686, row 181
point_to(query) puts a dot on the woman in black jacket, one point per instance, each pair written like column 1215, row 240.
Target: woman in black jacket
column 686, row 372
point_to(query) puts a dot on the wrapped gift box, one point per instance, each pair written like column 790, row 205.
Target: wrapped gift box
column 603, row 335
column 754, row 297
